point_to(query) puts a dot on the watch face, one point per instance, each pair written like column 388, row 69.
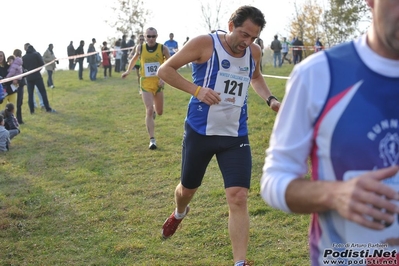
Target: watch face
column 270, row 98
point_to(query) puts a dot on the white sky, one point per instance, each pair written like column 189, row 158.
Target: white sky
column 41, row 22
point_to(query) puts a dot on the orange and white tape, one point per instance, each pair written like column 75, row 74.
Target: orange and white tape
column 4, row 80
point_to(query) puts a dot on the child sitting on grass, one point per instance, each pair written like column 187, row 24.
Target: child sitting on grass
column 4, row 136
column 10, row 121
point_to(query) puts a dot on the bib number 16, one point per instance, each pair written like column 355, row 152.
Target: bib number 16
column 150, row 69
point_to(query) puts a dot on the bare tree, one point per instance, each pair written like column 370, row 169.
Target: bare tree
column 131, row 17
column 211, row 14
column 211, row 20
column 215, row 12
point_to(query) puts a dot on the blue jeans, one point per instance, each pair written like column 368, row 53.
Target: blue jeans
column 39, row 96
column 277, row 59
column 13, row 132
column 50, row 78
column 93, row 71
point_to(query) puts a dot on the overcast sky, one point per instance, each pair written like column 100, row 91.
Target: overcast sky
column 41, row 22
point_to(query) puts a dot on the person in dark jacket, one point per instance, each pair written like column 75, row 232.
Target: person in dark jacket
column 92, row 60
column 276, row 47
column 71, row 52
column 298, row 46
column 79, row 51
column 124, row 53
column 33, row 60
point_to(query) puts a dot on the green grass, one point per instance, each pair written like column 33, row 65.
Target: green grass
column 81, row 187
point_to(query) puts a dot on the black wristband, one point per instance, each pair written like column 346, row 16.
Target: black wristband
column 270, row 98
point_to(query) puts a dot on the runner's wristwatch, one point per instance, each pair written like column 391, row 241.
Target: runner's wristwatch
column 270, row 98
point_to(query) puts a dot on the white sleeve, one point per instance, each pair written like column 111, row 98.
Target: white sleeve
column 291, row 139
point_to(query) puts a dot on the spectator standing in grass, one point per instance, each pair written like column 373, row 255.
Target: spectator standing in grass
column 224, row 66
column 92, row 60
column 71, row 52
column 80, row 51
column 117, row 56
column 33, row 60
column 276, row 47
column 106, row 55
column 341, row 111
column 298, row 47
column 124, row 53
column 48, row 57
column 285, row 47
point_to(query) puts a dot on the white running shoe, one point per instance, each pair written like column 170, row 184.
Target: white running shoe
column 153, row 144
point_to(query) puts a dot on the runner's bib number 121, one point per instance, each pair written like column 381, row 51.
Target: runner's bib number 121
column 233, row 88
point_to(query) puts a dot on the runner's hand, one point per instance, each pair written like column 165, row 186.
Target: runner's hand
column 124, row 75
column 365, row 200
column 208, row 96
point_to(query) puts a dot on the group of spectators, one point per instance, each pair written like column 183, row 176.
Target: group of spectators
column 281, row 48
column 120, row 52
column 12, row 87
column 77, row 56
column 119, row 55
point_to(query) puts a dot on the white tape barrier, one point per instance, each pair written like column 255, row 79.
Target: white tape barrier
column 49, row 63
column 304, row 48
column 276, row 77
column 85, row 55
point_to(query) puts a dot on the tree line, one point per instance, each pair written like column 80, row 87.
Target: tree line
column 333, row 21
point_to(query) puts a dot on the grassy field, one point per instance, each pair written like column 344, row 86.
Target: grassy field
column 81, row 187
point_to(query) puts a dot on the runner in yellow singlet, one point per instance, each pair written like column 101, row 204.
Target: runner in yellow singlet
column 151, row 55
